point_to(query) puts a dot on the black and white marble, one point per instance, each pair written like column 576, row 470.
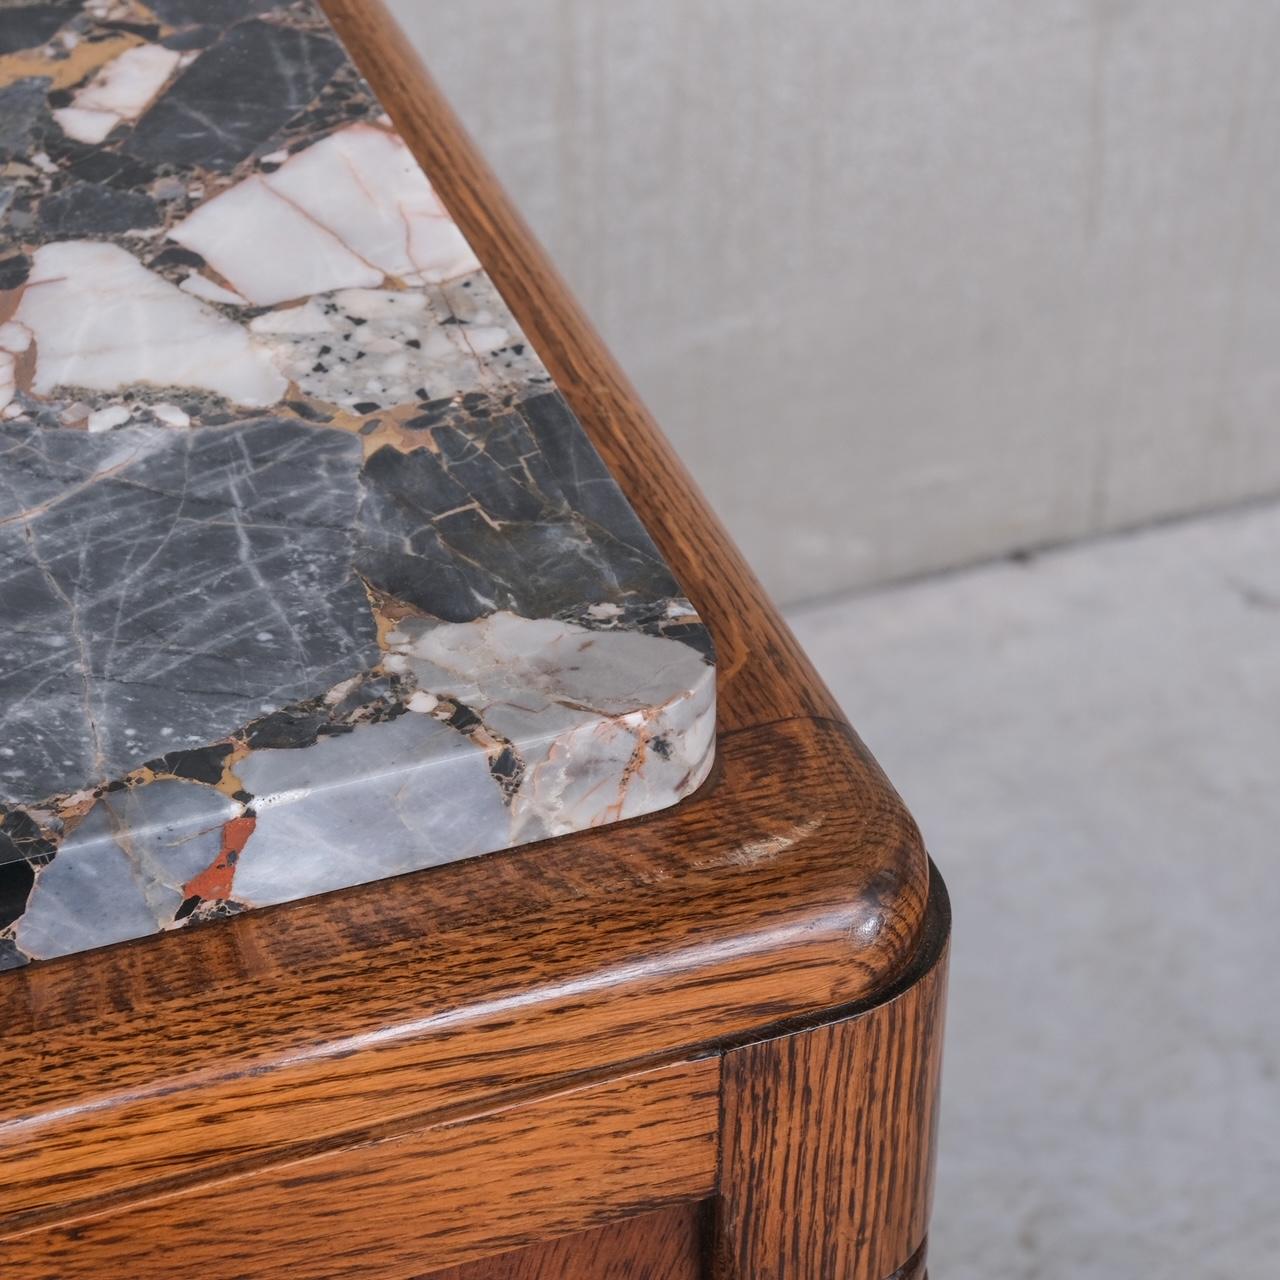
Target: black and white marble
column 308, row 575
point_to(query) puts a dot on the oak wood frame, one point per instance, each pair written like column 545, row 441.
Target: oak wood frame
column 780, row 925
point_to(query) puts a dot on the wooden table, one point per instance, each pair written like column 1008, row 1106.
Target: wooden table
column 705, row 1041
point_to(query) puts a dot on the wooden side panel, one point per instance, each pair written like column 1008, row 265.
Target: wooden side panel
column 667, row 1245
column 828, row 1144
column 406, row 1204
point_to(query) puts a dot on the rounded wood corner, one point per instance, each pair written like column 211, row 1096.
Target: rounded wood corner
column 792, row 882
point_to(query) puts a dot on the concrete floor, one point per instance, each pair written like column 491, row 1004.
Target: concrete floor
column 1091, row 743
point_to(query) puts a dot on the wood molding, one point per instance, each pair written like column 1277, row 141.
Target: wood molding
column 828, row 1138
column 406, row 1203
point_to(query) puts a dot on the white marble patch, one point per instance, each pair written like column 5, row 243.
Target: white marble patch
column 171, row 415
column 382, row 347
column 122, row 90
column 349, row 212
column 287, row 255
column 101, row 320
column 365, row 186
column 8, row 378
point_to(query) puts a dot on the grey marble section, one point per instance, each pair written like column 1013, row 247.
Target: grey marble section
column 605, row 725
column 233, row 98
column 87, row 209
column 22, row 108
column 88, row 896
column 214, row 13
column 164, row 588
column 512, row 511
column 171, row 829
column 381, row 800
column 120, row 874
column 23, row 26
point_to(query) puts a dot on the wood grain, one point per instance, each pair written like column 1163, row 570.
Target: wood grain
column 666, row 1245
column 393, row 1207
column 828, row 1139
column 794, row 881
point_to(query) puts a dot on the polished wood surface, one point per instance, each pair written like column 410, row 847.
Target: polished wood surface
column 666, row 1245
column 827, row 1142
column 793, row 885
column 407, row 1201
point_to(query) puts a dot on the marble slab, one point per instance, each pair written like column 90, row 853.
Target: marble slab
column 308, row 575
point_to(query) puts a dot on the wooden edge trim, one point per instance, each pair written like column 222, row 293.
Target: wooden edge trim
column 932, row 947
column 763, row 674
column 829, row 1136
column 655, row 1133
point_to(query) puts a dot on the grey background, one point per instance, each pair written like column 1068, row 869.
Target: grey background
column 1090, row 743
column 909, row 284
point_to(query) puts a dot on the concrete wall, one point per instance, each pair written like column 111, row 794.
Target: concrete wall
column 910, row 283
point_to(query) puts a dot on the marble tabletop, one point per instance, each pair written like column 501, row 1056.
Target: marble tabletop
column 308, row 574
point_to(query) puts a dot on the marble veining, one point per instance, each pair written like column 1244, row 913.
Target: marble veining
column 308, row 575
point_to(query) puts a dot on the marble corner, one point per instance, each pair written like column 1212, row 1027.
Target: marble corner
column 308, row 574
